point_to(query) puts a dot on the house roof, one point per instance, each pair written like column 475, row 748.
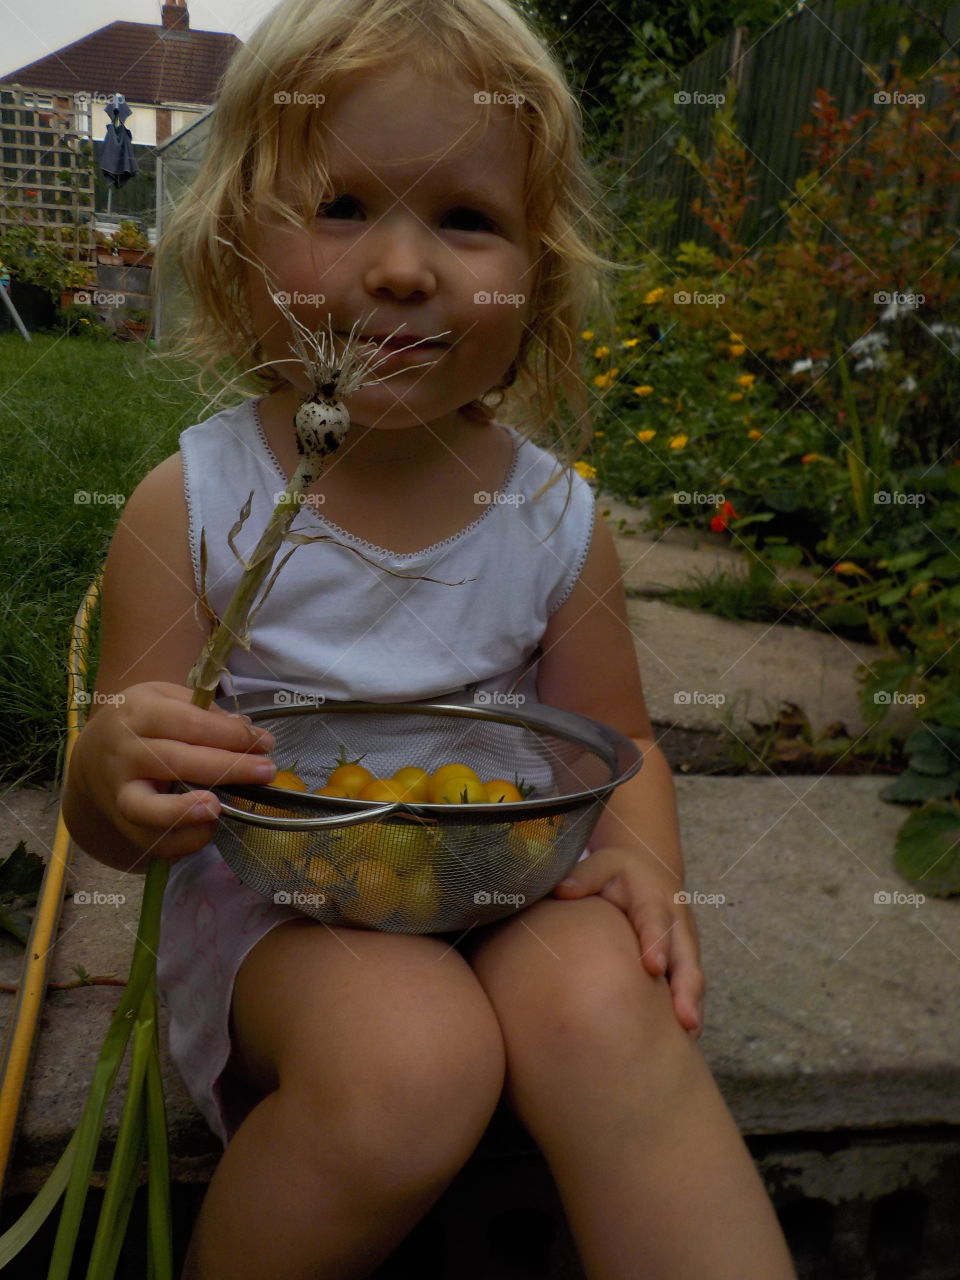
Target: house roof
column 148, row 64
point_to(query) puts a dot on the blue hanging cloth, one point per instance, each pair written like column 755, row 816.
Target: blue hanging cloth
column 116, row 158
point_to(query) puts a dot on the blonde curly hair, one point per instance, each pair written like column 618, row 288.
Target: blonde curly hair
column 299, row 50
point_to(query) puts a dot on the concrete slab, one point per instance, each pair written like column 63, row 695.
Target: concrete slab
column 826, row 1007
column 654, row 563
column 700, row 671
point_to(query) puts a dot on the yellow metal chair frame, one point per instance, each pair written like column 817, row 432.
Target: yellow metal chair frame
column 21, row 1039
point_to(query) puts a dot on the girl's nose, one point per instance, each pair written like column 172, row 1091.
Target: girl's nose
column 399, row 265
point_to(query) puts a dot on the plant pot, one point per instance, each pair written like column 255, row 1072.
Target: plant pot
column 135, row 330
column 130, row 256
column 107, row 259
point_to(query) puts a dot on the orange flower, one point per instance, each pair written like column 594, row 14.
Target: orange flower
column 754, row 434
column 643, row 391
column 849, row 569
column 645, row 436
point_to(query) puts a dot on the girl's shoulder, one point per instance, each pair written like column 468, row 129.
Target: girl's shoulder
column 539, row 477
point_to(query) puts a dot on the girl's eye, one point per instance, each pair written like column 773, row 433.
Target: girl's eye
column 470, row 220
column 342, row 207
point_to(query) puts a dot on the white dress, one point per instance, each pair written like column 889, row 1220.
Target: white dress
column 335, row 624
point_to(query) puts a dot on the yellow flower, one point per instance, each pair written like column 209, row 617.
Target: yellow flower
column 587, row 335
column 613, row 372
column 599, row 433
column 754, row 434
column 746, row 380
column 584, row 469
column 643, row 391
column 654, row 296
column 601, row 352
column 645, row 436
column 679, row 442
column 849, row 568
column 737, row 350
column 735, row 337
column 735, row 395
column 630, row 342
column 602, row 380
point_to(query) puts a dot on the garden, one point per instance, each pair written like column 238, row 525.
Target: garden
column 801, row 399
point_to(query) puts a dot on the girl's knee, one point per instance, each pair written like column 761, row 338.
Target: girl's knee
column 585, row 989
column 406, row 1118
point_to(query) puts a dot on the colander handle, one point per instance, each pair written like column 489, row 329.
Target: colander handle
column 351, row 819
column 310, row 824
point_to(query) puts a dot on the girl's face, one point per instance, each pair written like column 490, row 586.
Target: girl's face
column 427, row 230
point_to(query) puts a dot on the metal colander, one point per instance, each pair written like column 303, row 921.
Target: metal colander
column 418, row 868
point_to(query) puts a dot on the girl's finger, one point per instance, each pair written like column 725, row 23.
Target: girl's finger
column 161, row 760
column 141, row 804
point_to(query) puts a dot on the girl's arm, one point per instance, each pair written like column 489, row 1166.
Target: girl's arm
column 142, row 730
column 589, row 666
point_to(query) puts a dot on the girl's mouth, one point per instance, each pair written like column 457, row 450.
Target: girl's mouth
column 400, row 340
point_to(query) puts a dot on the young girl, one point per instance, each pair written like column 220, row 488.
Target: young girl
column 414, row 161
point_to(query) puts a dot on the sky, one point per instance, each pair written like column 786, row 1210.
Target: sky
column 34, row 28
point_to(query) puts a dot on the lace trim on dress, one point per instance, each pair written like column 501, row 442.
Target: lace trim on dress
column 372, row 546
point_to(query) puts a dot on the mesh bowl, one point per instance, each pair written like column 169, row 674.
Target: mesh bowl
column 418, row 868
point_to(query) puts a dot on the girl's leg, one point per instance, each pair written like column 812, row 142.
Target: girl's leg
column 382, row 1062
column 652, row 1170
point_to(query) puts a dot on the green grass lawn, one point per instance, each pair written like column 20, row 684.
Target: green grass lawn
column 77, row 417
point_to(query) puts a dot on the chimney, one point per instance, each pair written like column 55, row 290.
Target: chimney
column 175, row 15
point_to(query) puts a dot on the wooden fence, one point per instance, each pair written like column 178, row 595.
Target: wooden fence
column 776, row 75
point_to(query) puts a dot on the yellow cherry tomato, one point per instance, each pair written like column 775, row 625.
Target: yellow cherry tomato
column 420, row 899
column 417, row 782
column 331, row 790
column 321, row 876
column 499, row 791
column 287, row 780
column 376, row 893
column 460, row 789
column 405, row 846
column 351, row 777
column 453, row 771
column 383, row 789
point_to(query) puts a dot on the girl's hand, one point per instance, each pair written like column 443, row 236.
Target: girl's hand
column 666, row 929
column 135, row 746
